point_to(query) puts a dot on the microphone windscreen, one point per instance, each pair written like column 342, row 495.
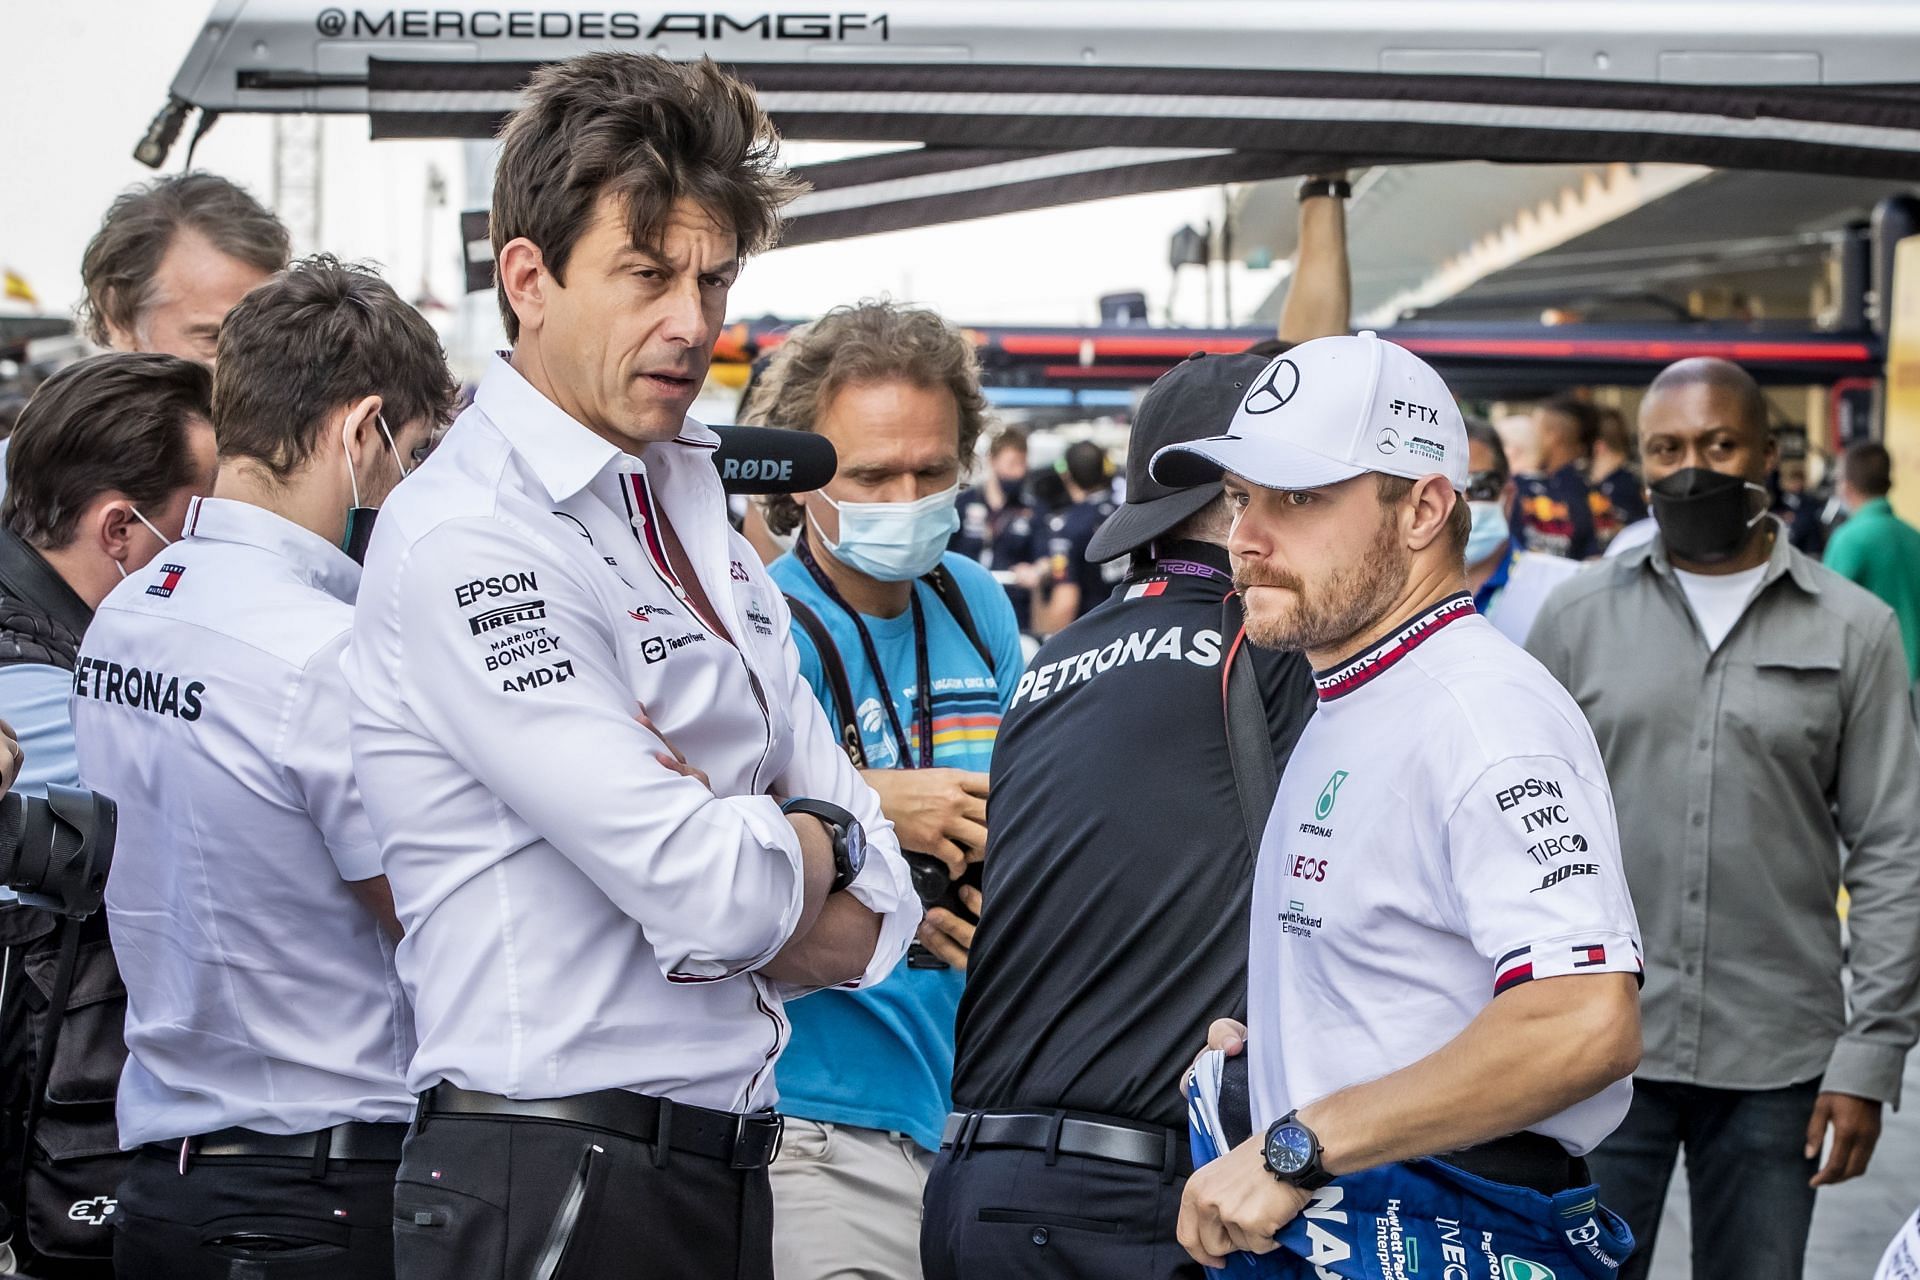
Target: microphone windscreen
column 759, row 460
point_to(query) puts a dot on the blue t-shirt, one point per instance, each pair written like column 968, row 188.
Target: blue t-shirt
column 883, row 1058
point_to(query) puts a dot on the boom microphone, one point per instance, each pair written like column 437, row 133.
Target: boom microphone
column 760, row 460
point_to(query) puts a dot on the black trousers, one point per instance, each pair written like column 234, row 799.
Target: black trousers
column 485, row 1198
column 1752, row 1207
column 999, row 1214
column 263, row 1217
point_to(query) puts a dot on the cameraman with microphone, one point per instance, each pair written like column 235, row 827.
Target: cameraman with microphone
column 617, row 827
column 915, row 652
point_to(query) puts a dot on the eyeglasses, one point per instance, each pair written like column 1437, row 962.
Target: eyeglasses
column 1485, row 486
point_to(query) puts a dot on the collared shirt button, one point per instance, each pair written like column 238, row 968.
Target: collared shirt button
column 1705, row 743
column 1039, row 1235
column 1699, row 819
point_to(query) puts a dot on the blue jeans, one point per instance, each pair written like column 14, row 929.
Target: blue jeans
column 1745, row 1174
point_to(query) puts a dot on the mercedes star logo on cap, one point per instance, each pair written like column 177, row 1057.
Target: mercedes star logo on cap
column 1274, row 388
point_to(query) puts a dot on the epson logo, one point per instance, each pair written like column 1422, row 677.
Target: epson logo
column 501, row 585
column 506, row 616
column 780, row 469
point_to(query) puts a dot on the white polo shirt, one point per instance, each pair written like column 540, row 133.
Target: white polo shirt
column 1444, row 832
column 209, row 704
column 578, row 916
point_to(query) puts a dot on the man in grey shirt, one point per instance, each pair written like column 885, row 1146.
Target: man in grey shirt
column 1752, row 710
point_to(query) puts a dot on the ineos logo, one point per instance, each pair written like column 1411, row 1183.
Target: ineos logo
column 1275, row 387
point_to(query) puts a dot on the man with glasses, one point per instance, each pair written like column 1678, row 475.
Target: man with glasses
column 1509, row 585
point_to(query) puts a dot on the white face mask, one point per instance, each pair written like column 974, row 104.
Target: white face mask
column 893, row 541
column 165, row 541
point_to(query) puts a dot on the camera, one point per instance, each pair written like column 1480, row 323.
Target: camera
column 54, row 853
column 937, row 889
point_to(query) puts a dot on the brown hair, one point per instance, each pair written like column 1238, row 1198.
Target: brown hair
column 1868, row 469
column 870, row 342
column 300, row 347
column 646, row 131
column 125, row 253
column 1392, row 490
column 114, row 423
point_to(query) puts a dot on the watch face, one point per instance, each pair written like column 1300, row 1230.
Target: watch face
column 856, row 845
column 1289, row 1149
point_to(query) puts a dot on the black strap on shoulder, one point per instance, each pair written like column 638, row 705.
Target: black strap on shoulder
column 1249, row 741
column 944, row 586
column 50, row 1037
column 838, row 686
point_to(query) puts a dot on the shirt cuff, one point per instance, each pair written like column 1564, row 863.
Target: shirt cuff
column 1865, row 1069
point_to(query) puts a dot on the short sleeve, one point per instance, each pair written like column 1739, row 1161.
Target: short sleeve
column 1534, row 853
column 35, row 700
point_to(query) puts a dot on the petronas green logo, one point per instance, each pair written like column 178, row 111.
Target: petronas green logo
column 1512, row 1268
column 1327, row 794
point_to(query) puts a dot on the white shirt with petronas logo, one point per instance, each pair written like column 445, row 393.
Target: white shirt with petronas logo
column 1444, row 833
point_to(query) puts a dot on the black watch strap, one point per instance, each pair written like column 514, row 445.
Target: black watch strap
column 840, row 824
column 1338, row 188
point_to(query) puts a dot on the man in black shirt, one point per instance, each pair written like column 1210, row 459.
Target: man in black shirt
column 1077, row 579
column 1117, row 891
column 1001, row 523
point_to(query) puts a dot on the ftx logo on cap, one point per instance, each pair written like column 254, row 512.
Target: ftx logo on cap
column 1329, row 410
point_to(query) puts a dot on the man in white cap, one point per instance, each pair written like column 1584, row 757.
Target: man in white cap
column 1443, row 953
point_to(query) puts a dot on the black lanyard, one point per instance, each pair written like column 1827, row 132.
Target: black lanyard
column 923, row 702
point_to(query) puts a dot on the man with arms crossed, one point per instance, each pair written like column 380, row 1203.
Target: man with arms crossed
column 616, row 823
column 1438, row 903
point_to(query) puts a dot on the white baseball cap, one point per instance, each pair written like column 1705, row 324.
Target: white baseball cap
column 1329, row 410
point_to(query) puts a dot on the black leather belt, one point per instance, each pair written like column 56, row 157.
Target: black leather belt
column 744, row 1141
column 1058, row 1133
column 354, row 1141
column 1528, row 1159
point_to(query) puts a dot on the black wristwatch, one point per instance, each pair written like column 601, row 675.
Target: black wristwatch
column 849, row 838
column 1338, row 188
column 1293, row 1154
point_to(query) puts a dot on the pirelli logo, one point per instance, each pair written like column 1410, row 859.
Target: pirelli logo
column 507, row 616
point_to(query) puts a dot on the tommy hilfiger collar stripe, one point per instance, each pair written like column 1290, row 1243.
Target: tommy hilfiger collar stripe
column 1337, row 682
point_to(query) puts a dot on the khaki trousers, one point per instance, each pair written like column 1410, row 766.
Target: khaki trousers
column 846, row 1203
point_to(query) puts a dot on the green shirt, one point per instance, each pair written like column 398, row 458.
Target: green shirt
column 1881, row 552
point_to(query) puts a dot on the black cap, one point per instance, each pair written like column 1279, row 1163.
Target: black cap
column 1194, row 399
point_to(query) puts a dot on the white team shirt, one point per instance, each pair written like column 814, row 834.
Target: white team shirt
column 1444, row 832
column 209, row 704
column 579, row 917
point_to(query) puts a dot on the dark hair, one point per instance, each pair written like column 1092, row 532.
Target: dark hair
column 646, row 131
column 301, row 346
column 870, row 342
column 114, row 423
column 1721, row 375
column 1585, row 418
column 1268, row 348
column 1086, row 464
column 1867, row 468
column 1394, row 489
column 1480, row 431
column 121, row 259
column 11, row 403
column 1614, row 432
column 1010, row 438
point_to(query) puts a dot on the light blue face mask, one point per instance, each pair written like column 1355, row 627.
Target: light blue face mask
column 893, row 541
column 1490, row 530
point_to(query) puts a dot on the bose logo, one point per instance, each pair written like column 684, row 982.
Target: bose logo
column 1566, row 872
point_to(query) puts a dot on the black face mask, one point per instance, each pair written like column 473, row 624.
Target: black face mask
column 359, row 532
column 1705, row 516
